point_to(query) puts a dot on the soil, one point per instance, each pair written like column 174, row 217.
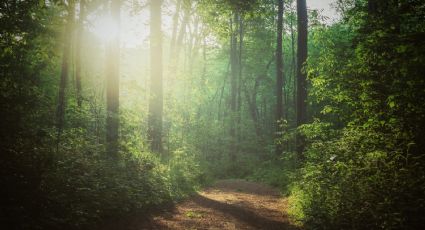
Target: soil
column 229, row 204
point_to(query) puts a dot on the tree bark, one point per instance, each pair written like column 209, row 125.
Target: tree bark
column 179, row 43
column 112, row 85
column 234, row 72
column 372, row 7
column 294, row 63
column 78, row 55
column 175, row 28
column 279, row 76
column 240, row 76
column 301, row 74
column 156, row 91
column 253, row 108
column 60, row 110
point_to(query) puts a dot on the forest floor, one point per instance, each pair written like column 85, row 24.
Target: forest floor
column 228, row 204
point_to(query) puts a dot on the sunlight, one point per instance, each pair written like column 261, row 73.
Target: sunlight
column 106, row 29
column 133, row 29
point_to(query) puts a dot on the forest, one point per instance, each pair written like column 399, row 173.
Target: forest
column 112, row 109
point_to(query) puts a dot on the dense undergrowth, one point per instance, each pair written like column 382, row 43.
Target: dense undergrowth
column 363, row 166
column 360, row 180
column 79, row 188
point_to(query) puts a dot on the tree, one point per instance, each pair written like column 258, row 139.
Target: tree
column 240, row 76
column 156, row 89
column 301, row 74
column 279, row 74
column 112, row 84
column 78, row 55
column 293, row 72
column 233, row 80
column 181, row 34
column 60, row 110
column 174, row 31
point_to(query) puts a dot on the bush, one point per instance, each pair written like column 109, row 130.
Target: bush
column 82, row 187
column 361, row 180
column 272, row 173
column 184, row 172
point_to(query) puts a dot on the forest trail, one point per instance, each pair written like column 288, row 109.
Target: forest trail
column 229, row 204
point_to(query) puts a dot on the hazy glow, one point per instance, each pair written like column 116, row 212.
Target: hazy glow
column 133, row 29
column 105, row 28
column 134, row 26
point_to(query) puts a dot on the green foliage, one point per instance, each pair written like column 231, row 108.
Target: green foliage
column 272, row 173
column 364, row 165
column 87, row 188
column 364, row 159
column 185, row 173
column 297, row 203
column 360, row 181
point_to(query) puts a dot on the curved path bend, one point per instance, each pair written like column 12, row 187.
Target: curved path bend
column 229, row 204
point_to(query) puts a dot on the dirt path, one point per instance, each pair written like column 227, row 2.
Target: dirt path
column 229, row 204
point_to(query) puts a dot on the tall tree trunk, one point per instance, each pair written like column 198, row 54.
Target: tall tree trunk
column 78, row 55
column 294, row 63
column 279, row 75
column 292, row 77
column 175, row 28
column 240, row 80
column 233, row 84
column 301, row 74
column 252, row 104
column 372, row 7
column 112, row 85
column 179, row 43
column 60, row 110
column 234, row 73
column 194, row 44
column 156, row 91
column 204, row 55
column 220, row 115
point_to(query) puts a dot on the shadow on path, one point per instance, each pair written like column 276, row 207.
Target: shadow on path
column 229, row 204
column 242, row 214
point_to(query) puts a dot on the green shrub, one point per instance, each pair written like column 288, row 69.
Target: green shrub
column 83, row 187
column 184, row 172
column 361, row 180
column 272, row 173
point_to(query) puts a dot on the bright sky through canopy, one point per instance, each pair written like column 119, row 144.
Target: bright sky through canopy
column 134, row 29
column 324, row 5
